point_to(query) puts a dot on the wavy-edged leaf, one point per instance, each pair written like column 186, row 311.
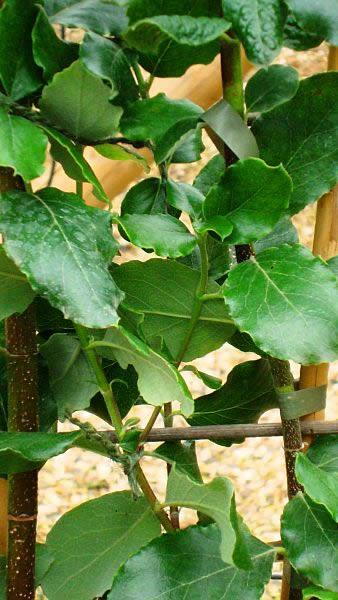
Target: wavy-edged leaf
column 86, row 558
column 64, row 248
column 320, row 486
column 283, row 233
column 20, row 452
column 15, row 292
column 110, row 62
column 50, row 52
column 250, row 199
column 310, row 154
column 210, row 174
column 147, row 197
column 259, row 24
column 287, row 300
column 185, row 198
column 16, row 135
column 323, row 453
column 159, row 382
column 164, row 234
column 246, row 395
column 168, row 146
column 187, row 566
column 164, row 292
column 117, row 152
column 19, row 74
column 320, row 19
column 297, row 38
column 310, row 537
column 64, row 151
column 270, row 87
column 78, row 102
column 189, row 148
column 183, row 456
column 93, row 15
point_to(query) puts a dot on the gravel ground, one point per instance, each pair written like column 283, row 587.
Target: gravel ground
column 255, row 467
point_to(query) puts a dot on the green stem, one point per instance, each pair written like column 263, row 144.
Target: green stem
column 156, row 412
column 142, row 84
column 232, row 74
column 79, row 184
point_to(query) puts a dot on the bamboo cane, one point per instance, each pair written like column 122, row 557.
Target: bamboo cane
column 325, row 245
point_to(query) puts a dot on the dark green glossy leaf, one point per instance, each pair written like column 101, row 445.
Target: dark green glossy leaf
column 310, row 537
column 176, row 136
column 86, row 558
column 117, row 152
column 270, row 87
column 150, row 119
column 16, row 135
column 297, row 38
column 244, row 342
column 73, row 101
column 164, row 292
column 183, row 456
column 102, row 16
column 15, row 292
column 159, row 382
column 50, row 52
column 241, row 199
column 73, row 162
column 230, row 127
column 310, row 154
column 284, row 233
column 142, row 9
column 210, row 174
column 333, row 264
column 219, row 254
column 187, row 566
column 319, row 19
column 56, row 229
column 21, row 452
column 246, row 395
column 315, row 592
column 323, row 453
column 108, row 61
column 287, row 300
column 259, row 25
column 148, row 34
column 146, row 197
column 189, row 148
column 72, row 379
column 18, row 73
column 164, row 234
column 216, row 500
column 320, row 486
column 185, row 198
column 210, row 381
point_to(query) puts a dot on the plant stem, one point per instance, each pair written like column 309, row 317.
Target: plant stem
column 156, row 412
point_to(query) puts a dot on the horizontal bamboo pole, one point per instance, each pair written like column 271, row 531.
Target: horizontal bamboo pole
column 223, row 432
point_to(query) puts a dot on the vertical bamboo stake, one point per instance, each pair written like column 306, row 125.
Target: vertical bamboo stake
column 325, row 244
column 3, row 516
column 22, row 372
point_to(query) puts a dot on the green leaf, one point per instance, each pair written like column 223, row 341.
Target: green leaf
column 270, row 87
column 125, row 390
column 116, row 152
column 230, row 127
column 15, row 292
column 246, row 395
column 240, row 200
column 16, row 135
column 259, row 25
column 164, row 234
column 187, row 566
column 215, row 499
column 310, row 537
column 297, row 38
column 320, row 486
column 316, row 592
column 176, row 136
column 168, row 308
column 312, row 117
column 159, row 382
column 21, row 452
column 283, row 233
column 185, row 198
column 323, row 453
column 108, row 61
column 102, row 16
column 78, row 102
column 142, row 9
column 151, row 118
column 148, row 34
column 333, row 264
column 69, row 155
column 18, row 73
column 56, row 229
column 50, row 52
column 72, row 379
column 86, row 558
column 317, row 19
column 210, row 174
column 145, row 198
column 220, row 258
column 210, row 381
column 189, row 148
column 287, row 300
column 183, row 456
